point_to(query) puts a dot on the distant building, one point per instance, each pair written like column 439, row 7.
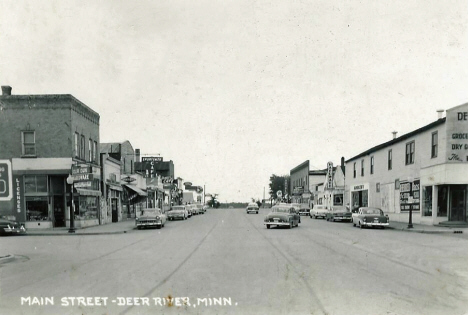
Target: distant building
column 299, row 183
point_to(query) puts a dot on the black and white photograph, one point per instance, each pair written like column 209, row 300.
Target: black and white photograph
column 233, row 157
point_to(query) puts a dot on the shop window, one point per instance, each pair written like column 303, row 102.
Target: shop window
column 28, row 139
column 37, row 209
column 372, row 165
column 88, row 207
column 338, row 200
column 390, row 159
column 442, row 201
column 410, row 148
column 35, row 184
column 427, row 201
column 434, row 144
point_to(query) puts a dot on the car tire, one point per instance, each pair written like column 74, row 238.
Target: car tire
column 291, row 225
column 310, row 217
column 298, row 221
column 256, row 212
column 360, row 225
column 268, row 226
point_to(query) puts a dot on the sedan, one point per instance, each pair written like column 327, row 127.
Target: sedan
column 368, row 216
column 177, row 212
column 304, row 209
column 318, row 211
column 282, row 215
column 150, row 217
column 9, row 226
column 252, row 207
column 339, row 213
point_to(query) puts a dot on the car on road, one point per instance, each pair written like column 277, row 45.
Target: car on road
column 304, row 209
column 9, row 226
column 200, row 209
column 194, row 209
column 150, row 217
column 177, row 212
column 205, row 207
column 282, row 215
column 370, row 217
column 252, row 207
column 339, row 213
column 319, row 211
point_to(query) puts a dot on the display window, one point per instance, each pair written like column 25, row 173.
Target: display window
column 37, row 209
column 427, row 201
column 87, row 208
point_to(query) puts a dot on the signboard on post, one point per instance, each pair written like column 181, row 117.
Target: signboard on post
column 409, row 195
column 5, row 180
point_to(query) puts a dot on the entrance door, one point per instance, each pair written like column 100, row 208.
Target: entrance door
column 457, row 203
column 115, row 215
column 59, row 211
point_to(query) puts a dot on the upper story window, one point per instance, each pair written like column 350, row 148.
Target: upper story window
column 390, row 157
column 76, row 152
column 28, row 139
column 372, row 165
column 82, row 148
column 90, row 151
column 354, row 170
column 95, row 152
column 362, row 167
column 409, row 153
column 434, row 144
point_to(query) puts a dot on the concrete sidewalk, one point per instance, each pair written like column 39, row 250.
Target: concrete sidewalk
column 109, row 228
column 422, row 228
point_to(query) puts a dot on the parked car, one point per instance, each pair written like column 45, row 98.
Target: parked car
column 194, row 209
column 150, row 217
column 9, row 226
column 369, row 216
column 200, row 209
column 252, row 207
column 304, row 209
column 177, row 212
column 282, row 215
column 205, row 207
column 318, row 211
column 339, row 213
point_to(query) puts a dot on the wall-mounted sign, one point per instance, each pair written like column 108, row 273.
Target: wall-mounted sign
column 6, row 185
column 457, row 135
column 149, row 165
column 167, row 180
column 82, row 177
column 128, row 179
column 152, row 159
column 409, row 195
column 81, row 169
column 85, row 184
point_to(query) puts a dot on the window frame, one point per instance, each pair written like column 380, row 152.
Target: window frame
column 354, row 171
column 83, row 148
column 372, row 165
column 434, row 144
column 362, row 167
column 410, row 149
column 390, row 159
column 77, row 145
column 28, row 145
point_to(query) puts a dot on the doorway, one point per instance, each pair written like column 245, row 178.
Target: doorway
column 59, row 211
column 115, row 215
column 458, row 203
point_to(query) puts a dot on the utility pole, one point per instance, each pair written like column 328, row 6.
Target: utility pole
column 263, row 201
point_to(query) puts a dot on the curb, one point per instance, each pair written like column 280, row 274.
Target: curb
column 426, row 231
column 7, row 258
column 75, row 234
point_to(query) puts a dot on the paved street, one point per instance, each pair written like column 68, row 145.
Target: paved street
column 226, row 256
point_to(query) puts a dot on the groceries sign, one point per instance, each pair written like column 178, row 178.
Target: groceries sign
column 457, row 135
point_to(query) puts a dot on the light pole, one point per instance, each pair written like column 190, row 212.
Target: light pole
column 70, row 181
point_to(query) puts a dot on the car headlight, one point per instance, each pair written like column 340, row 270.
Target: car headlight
column 157, row 218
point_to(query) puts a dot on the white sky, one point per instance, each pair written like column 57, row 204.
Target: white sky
column 236, row 90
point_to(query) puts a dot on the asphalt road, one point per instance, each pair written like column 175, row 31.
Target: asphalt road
column 228, row 257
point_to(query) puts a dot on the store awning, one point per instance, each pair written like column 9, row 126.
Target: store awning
column 88, row 192
column 137, row 190
column 115, row 187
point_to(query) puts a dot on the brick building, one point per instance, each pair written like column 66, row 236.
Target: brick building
column 44, row 136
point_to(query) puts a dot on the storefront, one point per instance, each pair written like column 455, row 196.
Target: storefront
column 134, row 199
column 359, row 196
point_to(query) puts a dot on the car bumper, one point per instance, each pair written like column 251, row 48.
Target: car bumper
column 149, row 224
column 374, row 224
column 252, row 211
column 342, row 218
column 14, row 230
column 276, row 223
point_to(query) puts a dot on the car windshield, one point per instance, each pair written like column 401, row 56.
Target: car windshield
column 178, row 208
column 371, row 211
column 150, row 212
column 284, row 210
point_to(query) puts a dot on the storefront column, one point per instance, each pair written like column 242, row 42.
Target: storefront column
column 435, row 196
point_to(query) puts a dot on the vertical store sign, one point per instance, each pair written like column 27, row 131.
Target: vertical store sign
column 19, row 193
column 329, row 175
column 5, row 180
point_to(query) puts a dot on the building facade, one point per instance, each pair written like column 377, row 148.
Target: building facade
column 422, row 174
column 299, row 183
column 49, row 139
